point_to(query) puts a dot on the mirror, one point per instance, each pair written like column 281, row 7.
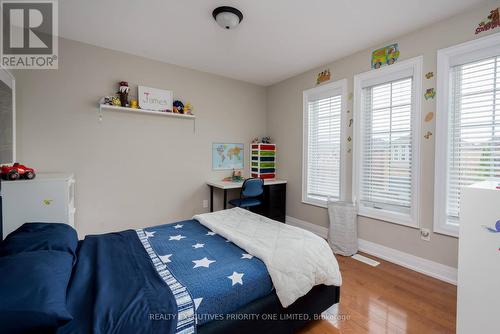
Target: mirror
column 7, row 118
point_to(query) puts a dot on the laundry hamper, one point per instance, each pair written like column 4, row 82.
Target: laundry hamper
column 343, row 231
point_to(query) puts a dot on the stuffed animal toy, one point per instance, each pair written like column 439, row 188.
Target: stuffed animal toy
column 107, row 100
column 178, row 107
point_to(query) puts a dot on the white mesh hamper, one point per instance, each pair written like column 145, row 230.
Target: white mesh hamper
column 343, row 231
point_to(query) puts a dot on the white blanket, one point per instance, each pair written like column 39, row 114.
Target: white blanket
column 296, row 259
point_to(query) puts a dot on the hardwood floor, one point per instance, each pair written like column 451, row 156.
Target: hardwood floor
column 389, row 299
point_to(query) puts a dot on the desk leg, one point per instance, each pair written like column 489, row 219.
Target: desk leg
column 211, row 199
column 225, row 199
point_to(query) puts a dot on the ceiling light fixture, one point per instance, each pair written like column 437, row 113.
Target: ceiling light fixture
column 227, row 17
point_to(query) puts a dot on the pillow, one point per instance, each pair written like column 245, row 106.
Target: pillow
column 40, row 236
column 33, row 291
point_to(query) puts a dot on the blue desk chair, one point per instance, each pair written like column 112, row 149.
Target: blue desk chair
column 250, row 190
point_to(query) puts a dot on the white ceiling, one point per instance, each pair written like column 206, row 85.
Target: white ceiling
column 276, row 40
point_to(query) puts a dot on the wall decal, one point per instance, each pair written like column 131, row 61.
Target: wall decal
column 350, row 122
column 349, row 139
column 430, row 93
column 495, row 229
column 491, row 22
column 349, row 150
column 385, row 56
column 429, row 117
column 429, row 75
column 323, row 76
column 348, row 111
column 428, row 135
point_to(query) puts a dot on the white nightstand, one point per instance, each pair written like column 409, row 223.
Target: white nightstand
column 48, row 198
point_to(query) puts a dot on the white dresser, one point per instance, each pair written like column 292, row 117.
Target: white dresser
column 478, row 300
column 47, row 198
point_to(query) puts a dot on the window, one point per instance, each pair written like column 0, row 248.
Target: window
column 468, row 121
column 323, row 171
column 387, row 134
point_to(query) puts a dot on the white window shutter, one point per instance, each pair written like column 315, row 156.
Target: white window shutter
column 323, row 158
column 323, row 147
column 386, row 163
column 473, row 128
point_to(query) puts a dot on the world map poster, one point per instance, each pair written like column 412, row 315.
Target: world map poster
column 227, row 156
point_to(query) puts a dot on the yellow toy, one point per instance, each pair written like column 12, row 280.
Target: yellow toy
column 116, row 101
column 188, row 108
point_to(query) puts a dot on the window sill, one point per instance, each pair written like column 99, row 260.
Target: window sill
column 388, row 216
column 450, row 230
column 318, row 203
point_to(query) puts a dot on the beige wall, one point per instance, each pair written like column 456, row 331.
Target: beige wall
column 131, row 170
column 284, row 104
column 138, row 170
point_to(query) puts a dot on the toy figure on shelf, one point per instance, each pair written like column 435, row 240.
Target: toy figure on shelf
column 255, row 140
column 123, row 92
column 107, row 100
column 133, row 104
column 266, row 140
column 178, row 107
column 188, row 108
column 115, row 101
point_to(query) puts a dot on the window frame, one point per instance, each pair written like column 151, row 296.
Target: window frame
column 334, row 87
column 470, row 51
column 411, row 67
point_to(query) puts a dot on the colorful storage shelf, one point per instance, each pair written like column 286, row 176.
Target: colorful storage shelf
column 264, row 161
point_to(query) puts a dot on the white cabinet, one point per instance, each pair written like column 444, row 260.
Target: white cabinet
column 47, row 198
column 479, row 260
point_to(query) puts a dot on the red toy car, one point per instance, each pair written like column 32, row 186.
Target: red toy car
column 17, row 171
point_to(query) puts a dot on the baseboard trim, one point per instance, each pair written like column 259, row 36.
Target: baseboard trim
column 427, row 267
column 316, row 229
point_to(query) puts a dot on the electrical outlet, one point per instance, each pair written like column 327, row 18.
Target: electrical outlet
column 425, row 234
column 205, row 203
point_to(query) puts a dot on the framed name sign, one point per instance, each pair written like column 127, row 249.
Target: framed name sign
column 155, row 99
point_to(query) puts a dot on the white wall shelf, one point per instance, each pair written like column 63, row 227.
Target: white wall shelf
column 144, row 111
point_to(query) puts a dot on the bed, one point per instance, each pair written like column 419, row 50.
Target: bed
column 179, row 278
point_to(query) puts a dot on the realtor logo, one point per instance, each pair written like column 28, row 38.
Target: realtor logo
column 29, row 34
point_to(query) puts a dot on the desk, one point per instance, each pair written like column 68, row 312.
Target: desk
column 274, row 197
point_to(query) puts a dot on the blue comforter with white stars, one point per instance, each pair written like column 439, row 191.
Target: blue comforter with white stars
column 164, row 279
column 219, row 276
